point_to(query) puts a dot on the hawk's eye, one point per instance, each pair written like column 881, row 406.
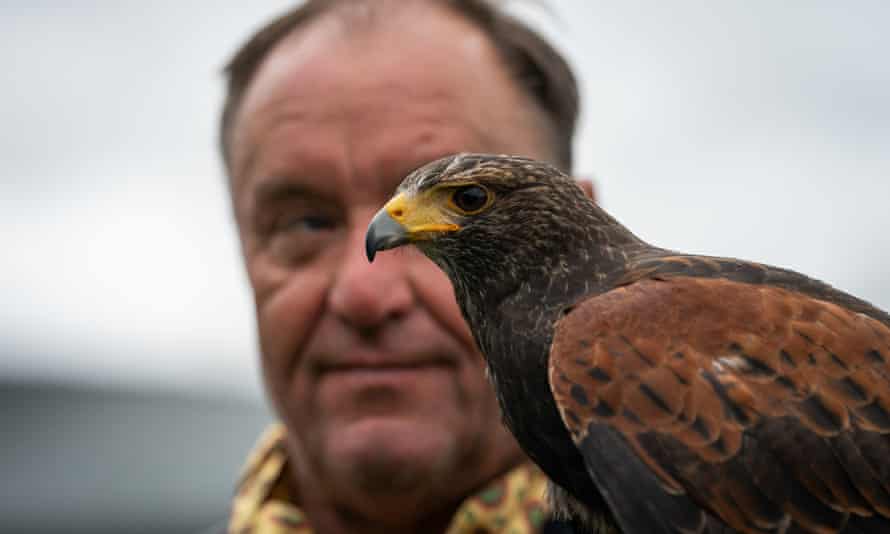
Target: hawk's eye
column 470, row 198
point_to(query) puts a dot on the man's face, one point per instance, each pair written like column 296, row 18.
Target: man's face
column 370, row 366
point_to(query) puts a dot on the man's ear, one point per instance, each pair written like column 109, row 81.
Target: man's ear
column 587, row 186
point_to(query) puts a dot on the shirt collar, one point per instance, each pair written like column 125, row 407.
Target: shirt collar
column 513, row 502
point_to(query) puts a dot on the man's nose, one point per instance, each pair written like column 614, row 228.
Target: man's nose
column 366, row 295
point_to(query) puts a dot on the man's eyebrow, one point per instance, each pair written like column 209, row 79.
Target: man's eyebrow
column 278, row 189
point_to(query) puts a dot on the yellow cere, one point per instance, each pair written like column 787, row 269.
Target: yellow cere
column 419, row 215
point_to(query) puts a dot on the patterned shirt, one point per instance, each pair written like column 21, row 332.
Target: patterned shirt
column 511, row 504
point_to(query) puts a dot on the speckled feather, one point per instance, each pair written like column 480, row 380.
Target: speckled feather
column 689, row 394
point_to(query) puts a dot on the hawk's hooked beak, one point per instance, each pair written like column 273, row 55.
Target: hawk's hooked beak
column 405, row 219
column 384, row 232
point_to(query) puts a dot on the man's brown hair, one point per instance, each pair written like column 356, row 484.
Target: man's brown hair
column 538, row 69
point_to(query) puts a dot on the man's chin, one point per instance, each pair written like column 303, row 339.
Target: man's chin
column 390, row 453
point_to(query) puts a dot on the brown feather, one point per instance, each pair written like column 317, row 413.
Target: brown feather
column 705, row 362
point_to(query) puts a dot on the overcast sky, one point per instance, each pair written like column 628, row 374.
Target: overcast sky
column 749, row 128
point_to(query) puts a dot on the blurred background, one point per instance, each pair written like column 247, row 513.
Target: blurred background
column 129, row 390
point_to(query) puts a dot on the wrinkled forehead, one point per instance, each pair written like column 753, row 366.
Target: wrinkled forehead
column 425, row 53
column 387, row 48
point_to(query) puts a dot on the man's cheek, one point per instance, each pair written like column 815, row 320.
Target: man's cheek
column 286, row 320
column 435, row 291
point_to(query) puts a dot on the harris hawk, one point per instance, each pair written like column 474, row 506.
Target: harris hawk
column 661, row 392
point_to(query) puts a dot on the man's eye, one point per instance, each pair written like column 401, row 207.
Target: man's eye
column 296, row 238
column 307, row 223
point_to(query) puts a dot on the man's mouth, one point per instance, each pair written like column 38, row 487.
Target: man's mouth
column 377, row 363
column 384, row 367
column 378, row 386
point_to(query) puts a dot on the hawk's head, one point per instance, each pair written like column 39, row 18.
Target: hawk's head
column 476, row 203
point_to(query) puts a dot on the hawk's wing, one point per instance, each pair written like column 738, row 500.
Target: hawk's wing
column 765, row 407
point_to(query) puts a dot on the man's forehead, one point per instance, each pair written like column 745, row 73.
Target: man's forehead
column 422, row 40
column 375, row 166
column 433, row 74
